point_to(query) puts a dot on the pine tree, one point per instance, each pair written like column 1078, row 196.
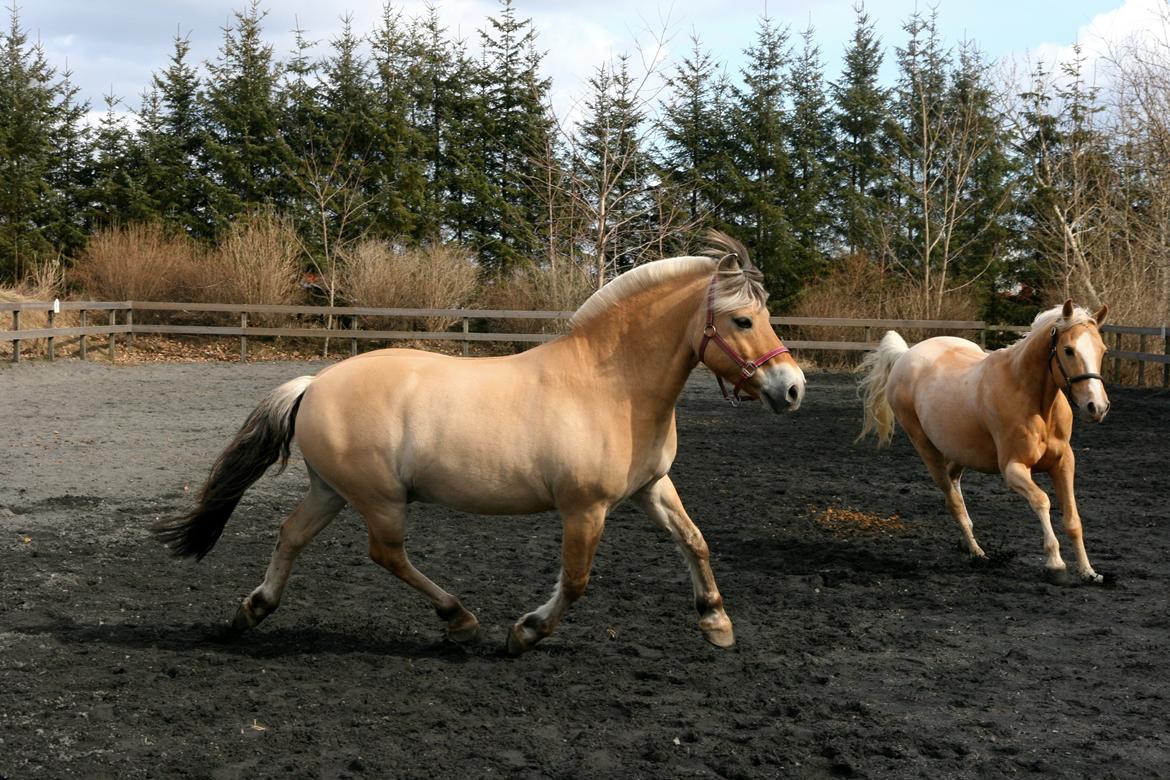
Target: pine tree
column 173, row 142
column 516, row 133
column 396, row 175
column 811, row 145
column 117, row 194
column 247, row 154
column 861, row 169
column 694, row 135
column 763, row 179
column 44, row 156
column 612, row 171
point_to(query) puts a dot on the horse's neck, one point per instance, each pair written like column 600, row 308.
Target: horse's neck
column 644, row 344
column 1031, row 366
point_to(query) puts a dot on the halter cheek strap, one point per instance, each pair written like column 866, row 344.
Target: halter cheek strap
column 747, row 368
column 1069, row 381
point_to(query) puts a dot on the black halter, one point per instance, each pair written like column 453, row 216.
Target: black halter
column 1069, row 381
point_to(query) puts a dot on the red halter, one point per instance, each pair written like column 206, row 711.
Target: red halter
column 747, row 368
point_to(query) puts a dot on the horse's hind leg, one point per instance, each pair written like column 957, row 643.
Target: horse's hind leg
column 387, row 530
column 581, row 532
column 947, row 476
column 315, row 512
column 662, row 505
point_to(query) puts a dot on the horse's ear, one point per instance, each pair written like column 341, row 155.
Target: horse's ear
column 1101, row 314
column 1067, row 311
column 731, row 264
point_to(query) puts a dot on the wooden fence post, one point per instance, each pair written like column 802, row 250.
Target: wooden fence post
column 16, row 342
column 1166, row 352
column 130, row 322
column 113, row 336
column 353, row 345
column 243, row 337
column 49, row 340
column 81, row 339
column 1117, row 361
column 1141, row 363
column 466, row 341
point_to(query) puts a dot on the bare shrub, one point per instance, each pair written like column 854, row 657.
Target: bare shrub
column 561, row 286
column 385, row 275
column 857, row 289
column 258, row 262
column 140, row 262
column 44, row 282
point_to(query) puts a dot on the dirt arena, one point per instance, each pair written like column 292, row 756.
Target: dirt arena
column 867, row 645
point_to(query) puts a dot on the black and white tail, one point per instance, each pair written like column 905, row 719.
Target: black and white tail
column 265, row 438
column 879, row 416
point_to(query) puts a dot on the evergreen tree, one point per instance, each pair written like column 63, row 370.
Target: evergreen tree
column 397, row 181
column 694, row 135
column 173, row 142
column 861, row 168
column 44, row 156
column 117, row 194
column 247, row 154
column 612, row 171
column 516, row 130
column 811, row 145
column 763, row 180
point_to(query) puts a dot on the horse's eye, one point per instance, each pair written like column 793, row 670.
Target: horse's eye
column 743, row 323
column 1068, row 351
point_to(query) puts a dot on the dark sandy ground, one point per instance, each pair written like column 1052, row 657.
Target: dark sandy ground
column 867, row 650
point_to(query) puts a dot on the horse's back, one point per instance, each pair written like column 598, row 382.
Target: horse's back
column 492, row 435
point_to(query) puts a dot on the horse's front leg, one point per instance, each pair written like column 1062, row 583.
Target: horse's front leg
column 582, row 532
column 660, row 501
column 1062, row 480
column 1019, row 478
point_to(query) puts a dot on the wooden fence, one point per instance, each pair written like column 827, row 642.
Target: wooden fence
column 119, row 316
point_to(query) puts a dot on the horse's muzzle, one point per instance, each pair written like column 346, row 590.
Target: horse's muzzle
column 783, row 390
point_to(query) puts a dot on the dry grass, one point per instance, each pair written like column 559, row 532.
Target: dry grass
column 43, row 283
column 845, row 523
column 856, row 289
column 562, row 286
column 257, row 262
column 386, row 275
column 141, row 262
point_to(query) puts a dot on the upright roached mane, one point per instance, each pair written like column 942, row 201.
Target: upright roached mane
column 733, row 290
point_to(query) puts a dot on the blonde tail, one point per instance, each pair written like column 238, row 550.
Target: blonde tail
column 879, row 416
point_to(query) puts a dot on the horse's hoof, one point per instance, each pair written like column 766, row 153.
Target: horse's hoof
column 516, row 644
column 464, row 635
column 720, row 637
column 979, row 561
column 1097, row 578
column 1057, row 577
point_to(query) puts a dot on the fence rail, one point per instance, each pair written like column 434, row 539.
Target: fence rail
column 346, row 327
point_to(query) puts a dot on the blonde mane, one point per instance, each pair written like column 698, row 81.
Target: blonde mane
column 1050, row 318
column 734, row 289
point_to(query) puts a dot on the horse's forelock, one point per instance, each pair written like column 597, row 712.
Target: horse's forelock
column 740, row 288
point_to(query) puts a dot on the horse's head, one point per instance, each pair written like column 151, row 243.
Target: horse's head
column 1076, row 359
column 735, row 339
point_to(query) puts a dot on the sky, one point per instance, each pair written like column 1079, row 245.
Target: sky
column 114, row 47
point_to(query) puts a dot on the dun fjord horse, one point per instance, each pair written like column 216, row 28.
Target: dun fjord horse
column 578, row 424
column 1005, row 411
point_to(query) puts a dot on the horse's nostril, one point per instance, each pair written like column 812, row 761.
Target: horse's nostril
column 1092, row 407
column 792, row 393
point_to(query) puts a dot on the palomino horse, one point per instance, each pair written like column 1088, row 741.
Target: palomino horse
column 578, row 425
column 1004, row 411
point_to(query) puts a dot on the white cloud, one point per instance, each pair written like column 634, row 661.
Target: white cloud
column 1106, row 36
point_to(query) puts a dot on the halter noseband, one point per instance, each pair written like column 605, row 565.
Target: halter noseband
column 747, row 368
column 1069, row 381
